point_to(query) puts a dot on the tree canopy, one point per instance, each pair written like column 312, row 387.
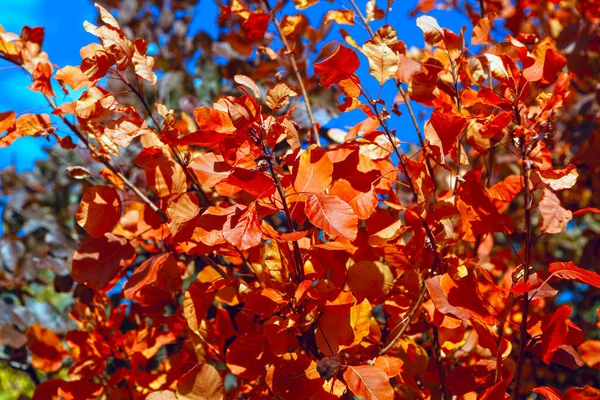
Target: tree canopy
column 198, row 232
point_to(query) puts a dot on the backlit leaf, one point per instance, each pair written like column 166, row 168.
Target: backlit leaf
column 202, row 382
column 333, row 215
column 314, row 171
column 341, row 65
column 99, row 211
column 99, row 260
column 554, row 217
column 568, row 270
column 370, row 383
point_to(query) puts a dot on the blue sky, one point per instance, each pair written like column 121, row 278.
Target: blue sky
column 63, row 23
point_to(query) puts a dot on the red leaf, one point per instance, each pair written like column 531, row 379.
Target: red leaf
column 99, row 211
column 159, row 273
column 294, row 376
column 333, row 215
column 256, row 25
column 99, row 260
column 549, row 392
column 587, row 209
column 247, row 356
column 568, row 270
column 339, row 66
column 242, row 228
column 370, row 383
column 554, row 328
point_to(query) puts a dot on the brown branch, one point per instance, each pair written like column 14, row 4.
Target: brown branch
column 362, row 17
column 405, row 322
column 288, row 216
column 290, row 53
column 525, row 307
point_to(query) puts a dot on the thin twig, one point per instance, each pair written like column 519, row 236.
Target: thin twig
column 405, row 322
column 290, row 53
column 525, row 308
column 419, row 133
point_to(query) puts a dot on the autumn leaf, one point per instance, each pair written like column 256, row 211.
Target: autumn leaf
column 568, row 270
column 293, row 376
column 99, row 260
column 370, row 383
column 45, row 347
column 554, row 328
column 314, row 171
column 25, row 125
column 159, row 273
column 481, row 31
column 279, row 95
column 99, row 210
column 342, row 17
column 392, row 366
column 339, row 66
column 242, row 228
column 383, row 61
column 431, row 29
column 202, row 382
column 554, row 217
column 332, row 214
column 549, row 392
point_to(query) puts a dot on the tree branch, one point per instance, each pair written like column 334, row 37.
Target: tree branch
column 290, row 53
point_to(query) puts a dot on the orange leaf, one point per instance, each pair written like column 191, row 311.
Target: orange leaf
column 45, row 347
column 7, row 119
column 585, row 210
column 481, row 31
column 247, row 356
column 590, row 353
column 164, row 175
column 369, row 279
column 211, row 120
column 74, row 77
column 432, row 31
column 314, row 171
column 363, row 203
column 183, row 214
column 202, row 382
column 99, row 211
column 392, row 366
column 370, row 383
column 407, row 67
column 333, row 215
column 25, row 125
column 242, row 228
